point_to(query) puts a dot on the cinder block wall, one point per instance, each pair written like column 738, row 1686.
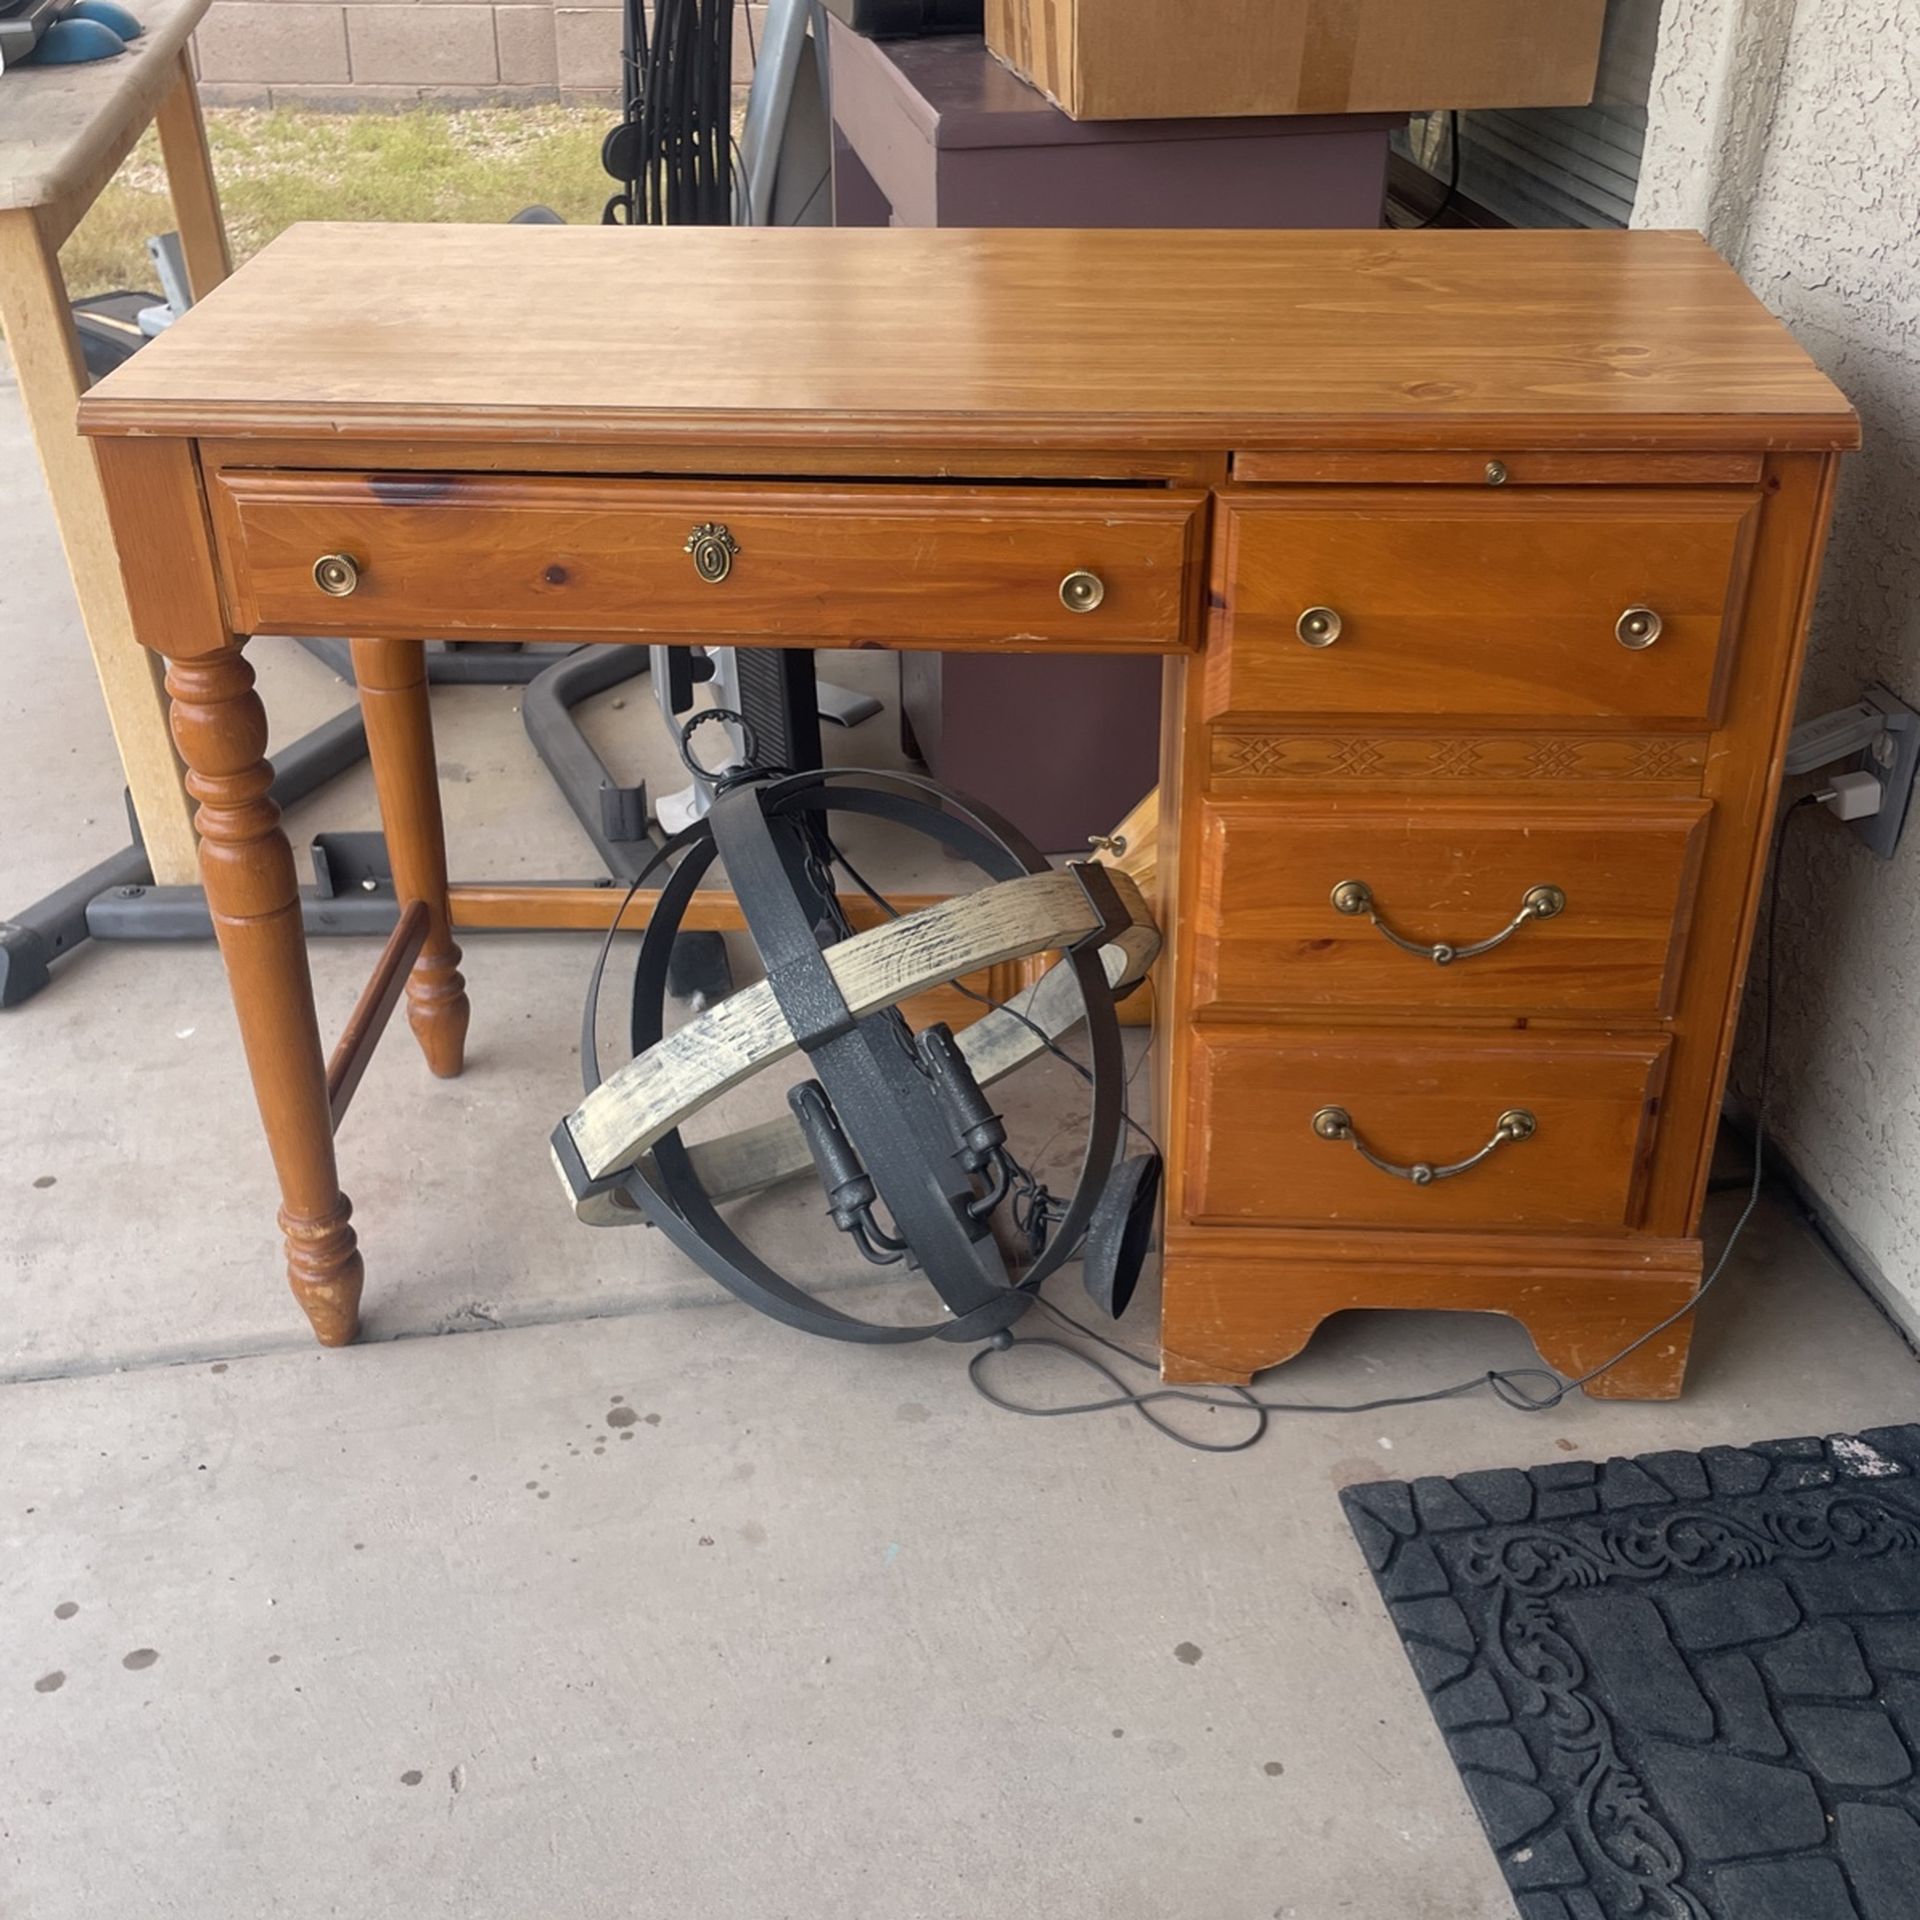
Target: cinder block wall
column 401, row 53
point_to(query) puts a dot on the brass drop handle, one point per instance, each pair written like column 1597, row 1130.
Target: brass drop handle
column 713, row 549
column 1638, row 628
column 1537, row 903
column 1319, row 626
column 1336, row 1123
column 337, row 574
column 1081, row 591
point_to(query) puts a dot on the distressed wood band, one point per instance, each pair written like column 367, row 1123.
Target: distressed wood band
column 652, row 1095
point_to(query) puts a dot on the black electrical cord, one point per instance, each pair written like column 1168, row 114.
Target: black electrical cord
column 1505, row 1385
column 1453, row 177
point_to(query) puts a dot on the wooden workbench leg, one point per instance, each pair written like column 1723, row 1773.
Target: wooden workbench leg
column 393, row 696
column 46, row 361
column 196, row 205
column 247, row 868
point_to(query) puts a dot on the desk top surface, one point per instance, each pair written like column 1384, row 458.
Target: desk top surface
column 59, row 126
column 1200, row 340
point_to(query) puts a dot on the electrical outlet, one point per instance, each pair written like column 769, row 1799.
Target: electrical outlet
column 1891, row 757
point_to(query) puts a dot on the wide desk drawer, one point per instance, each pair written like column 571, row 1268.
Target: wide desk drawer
column 1455, row 907
column 1095, row 569
column 1420, row 1129
column 1571, row 603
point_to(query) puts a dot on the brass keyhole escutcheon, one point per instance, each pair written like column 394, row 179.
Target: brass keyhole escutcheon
column 713, row 549
column 1319, row 626
column 1638, row 628
column 1081, row 591
column 337, row 574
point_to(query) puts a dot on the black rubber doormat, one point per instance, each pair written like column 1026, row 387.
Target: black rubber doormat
column 1680, row 1687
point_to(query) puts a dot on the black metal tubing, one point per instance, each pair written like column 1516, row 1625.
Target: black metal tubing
column 31, row 941
column 117, row 900
column 180, row 913
column 483, row 664
column 613, row 817
column 580, row 774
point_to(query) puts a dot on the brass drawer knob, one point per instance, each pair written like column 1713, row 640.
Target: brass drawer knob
column 1638, row 628
column 1537, row 903
column 1081, row 591
column 337, row 574
column 1319, row 626
column 1336, row 1123
column 713, row 549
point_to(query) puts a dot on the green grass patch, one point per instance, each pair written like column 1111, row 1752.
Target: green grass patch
column 280, row 166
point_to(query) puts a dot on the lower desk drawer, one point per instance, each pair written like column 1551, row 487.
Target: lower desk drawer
column 1108, row 570
column 1278, row 1119
column 1296, row 906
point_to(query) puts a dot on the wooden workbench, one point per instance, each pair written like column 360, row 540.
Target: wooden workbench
column 63, row 133
column 1480, row 564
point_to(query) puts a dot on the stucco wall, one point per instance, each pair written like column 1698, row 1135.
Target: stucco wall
column 1787, row 130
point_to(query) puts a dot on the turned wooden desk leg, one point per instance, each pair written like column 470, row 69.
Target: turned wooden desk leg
column 247, row 867
column 393, row 696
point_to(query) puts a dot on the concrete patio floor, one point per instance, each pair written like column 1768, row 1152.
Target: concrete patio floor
column 578, row 1589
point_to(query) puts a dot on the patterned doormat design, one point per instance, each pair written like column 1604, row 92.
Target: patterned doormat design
column 1680, row 1687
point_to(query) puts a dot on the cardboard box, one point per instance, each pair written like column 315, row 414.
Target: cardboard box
column 1205, row 59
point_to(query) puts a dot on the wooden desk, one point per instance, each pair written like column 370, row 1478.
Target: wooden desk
column 63, row 134
column 1480, row 562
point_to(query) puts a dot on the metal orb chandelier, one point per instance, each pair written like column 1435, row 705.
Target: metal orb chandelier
column 915, row 1163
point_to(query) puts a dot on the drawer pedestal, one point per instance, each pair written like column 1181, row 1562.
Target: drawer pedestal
column 1475, row 805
